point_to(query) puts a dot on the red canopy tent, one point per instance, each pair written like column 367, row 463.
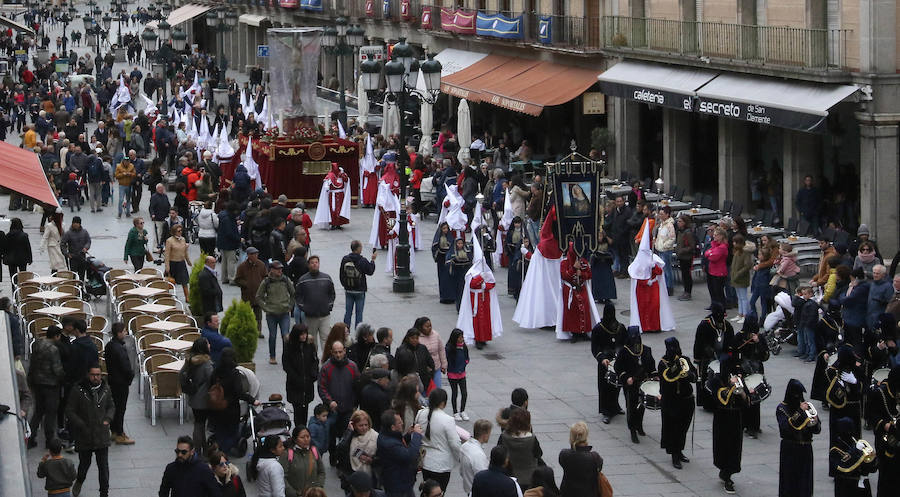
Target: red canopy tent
column 21, row 171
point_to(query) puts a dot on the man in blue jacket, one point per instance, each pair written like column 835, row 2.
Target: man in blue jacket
column 399, row 455
column 881, row 291
column 210, row 332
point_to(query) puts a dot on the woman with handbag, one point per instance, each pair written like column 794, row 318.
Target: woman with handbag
column 582, row 467
column 225, row 393
column 136, row 245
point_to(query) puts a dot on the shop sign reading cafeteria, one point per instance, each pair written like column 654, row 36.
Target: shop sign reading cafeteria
column 647, row 95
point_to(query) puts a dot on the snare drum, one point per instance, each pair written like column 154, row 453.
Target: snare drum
column 879, row 376
column 650, row 396
column 712, row 369
column 832, row 359
column 761, row 388
column 612, row 379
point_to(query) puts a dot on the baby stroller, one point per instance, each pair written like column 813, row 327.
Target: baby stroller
column 268, row 419
column 94, row 283
column 779, row 324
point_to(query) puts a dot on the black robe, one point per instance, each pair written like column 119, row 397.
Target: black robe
column 677, row 402
column 606, row 342
column 883, row 409
column 795, row 467
column 753, row 356
column 841, row 458
column 603, row 284
column 513, row 247
column 728, row 436
column 850, row 408
column 446, row 290
column 636, row 364
column 709, row 342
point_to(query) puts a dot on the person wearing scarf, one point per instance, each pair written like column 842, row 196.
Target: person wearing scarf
column 713, row 337
column 634, row 364
column 848, row 462
column 795, row 468
column 677, row 375
column 884, row 411
column 607, row 339
column 730, row 399
column 844, row 392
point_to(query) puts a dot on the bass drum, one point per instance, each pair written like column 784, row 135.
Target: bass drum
column 832, row 359
column 880, row 376
column 711, row 369
column 650, row 395
column 760, row 387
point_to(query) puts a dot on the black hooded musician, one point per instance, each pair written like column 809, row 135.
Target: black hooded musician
column 884, row 413
column 714, row 336
column 752, row 352
column 731, row 397
column 513, row 242
column 459, row 260
column 677, row 375
column 851, row 459
column 634, row 364
column 443, row 241
column 607, row 339
column 844, row 391
column 797, row 423
column 829, row 336
column 878, row 348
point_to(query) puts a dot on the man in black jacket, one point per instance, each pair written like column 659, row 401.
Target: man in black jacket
column 209, row 287
column 120, row 376
column 46, row 375
column 90, row 409
column 353, row 271
column 375, row 398
column 620, row 232
column 188, row 474
column 315, row 297
column 159, row 210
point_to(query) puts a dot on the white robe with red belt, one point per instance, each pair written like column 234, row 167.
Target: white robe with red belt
column 479, row 312
column 334, row 203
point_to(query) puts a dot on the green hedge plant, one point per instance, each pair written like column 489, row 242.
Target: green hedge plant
column 239, row 325
column 195, row 302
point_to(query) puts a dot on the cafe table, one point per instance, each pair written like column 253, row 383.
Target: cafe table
column 137, row 278
column 145, row 291
column 154, row 308
column 758, row 231
column 174, row 345
column 47, row 280
column 164, row 326
column 50, row 295
column 57, row 311
column 172, row 366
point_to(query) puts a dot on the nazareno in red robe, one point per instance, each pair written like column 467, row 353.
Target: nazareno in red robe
column 576, row 306
column 481, row 308
column 336, row 194
column 370, row 186
column 647, row 297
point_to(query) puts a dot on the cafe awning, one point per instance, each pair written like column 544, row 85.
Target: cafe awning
column 183, row 14
column 21, row 171
column 253, row 19
column 16, row 26
column 452, row 61
column 660, row 84
column 522, row 85
column 784, row 103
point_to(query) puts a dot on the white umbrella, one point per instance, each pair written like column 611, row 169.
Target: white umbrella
column 391, row 124
column 427, row 117
column 463, row 129
column 362, row 104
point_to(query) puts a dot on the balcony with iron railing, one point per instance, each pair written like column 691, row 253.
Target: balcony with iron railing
column 796, row 48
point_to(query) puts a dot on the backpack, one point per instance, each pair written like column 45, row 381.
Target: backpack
column 186, row 382
column 351, row 277
column 95, row 170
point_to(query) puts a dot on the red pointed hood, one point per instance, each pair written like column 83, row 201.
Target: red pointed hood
column 548, row 245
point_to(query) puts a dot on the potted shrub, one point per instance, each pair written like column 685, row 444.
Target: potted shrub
column 239, row 325
column 195, row 302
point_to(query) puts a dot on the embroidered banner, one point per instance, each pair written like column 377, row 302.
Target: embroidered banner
column 458, row 21
column 544, row 34
column 499, row 26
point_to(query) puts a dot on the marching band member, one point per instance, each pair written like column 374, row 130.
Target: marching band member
column 843, row 392
column 797, row 425
column 752, row 353
column 714, row 336
column 677, row 375
column 458, row 260
column 884, row 412
column 607, row 339
column 829, row 335
column 513, row 239
column 730, row 397
column 850, row 460
column 634, row 364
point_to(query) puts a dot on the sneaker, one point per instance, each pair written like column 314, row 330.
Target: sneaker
column 684, row 297
column 729, row 487
column 457, row 417
column 464, row 416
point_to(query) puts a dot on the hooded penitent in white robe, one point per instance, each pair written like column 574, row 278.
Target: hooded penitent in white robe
column 334, row 184
column 649, row 298
column 479, row 311
column 539, row 301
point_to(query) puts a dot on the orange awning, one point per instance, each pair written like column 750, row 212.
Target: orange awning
column 21, row 171
column 518, row 84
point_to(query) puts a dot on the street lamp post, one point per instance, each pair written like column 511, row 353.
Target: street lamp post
column 401, row 75
column 340, row 40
